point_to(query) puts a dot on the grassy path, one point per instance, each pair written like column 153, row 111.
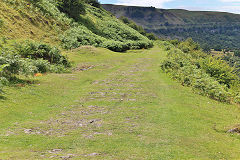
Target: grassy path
column 114, row 106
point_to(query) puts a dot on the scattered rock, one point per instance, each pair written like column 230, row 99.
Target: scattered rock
column 9, row 133
column 93, row 120
column 234, row 130
column 109, row 134
column 53, row 156
column 92, row 154
column 83, row 68
column 55, row 151
column 67, row 157
column 28, row 131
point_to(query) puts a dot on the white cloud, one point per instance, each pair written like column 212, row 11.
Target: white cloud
column 230, row 0
column 232, row 6
column 230, row 9
column 154, row 3
column 233, row 9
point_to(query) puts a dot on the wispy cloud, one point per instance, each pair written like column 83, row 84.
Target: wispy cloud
column 154, row 3
column 232, row 6
column 230, row 1
column 233, row 9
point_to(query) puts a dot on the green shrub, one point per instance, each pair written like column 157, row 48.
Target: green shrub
column 116, row 46
column 3, row 80
column 73, row 8
column 151, row 36
column 1, row 23
column 43, row 66
column 49, row 8
column 207, row 76
column 28, row 58
column 33, row 50
column 237, row 53
column 219, row 69
column 77, row 36
column 16, row 65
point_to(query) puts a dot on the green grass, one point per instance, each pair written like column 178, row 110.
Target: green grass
column 141, row 113
column 43, row 21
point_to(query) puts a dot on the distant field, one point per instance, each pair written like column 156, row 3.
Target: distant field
column 220, row 53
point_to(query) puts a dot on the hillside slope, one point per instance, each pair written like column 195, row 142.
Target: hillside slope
column 44, row 21
column 212, row 28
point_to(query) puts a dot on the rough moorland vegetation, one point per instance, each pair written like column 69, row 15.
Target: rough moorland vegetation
column 207, row 75
column 29, row 58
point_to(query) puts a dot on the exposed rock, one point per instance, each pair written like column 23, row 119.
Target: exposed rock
column 55, row 150
column 28, row 131
column 67, row 157
column 234, row 130
column 92, row 154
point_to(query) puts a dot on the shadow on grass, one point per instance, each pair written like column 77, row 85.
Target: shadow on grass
column 2, row 97
column 19, row 82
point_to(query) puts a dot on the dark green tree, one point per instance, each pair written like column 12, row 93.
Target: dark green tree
column 237, row 53
column 151, row 36
column 218, row 47
column 73, row 8
column 206, row 48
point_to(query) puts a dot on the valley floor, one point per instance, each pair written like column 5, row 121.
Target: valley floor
column 114, row 106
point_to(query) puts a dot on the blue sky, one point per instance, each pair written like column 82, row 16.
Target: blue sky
column 207, row 5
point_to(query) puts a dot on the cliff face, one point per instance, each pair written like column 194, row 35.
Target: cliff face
column 211, row 28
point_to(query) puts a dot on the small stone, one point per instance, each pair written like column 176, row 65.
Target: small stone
column 109, row 133
column 28, row 131
column 55, row 150
column 66, row 157
column 93, row 121
column 93, row 154
column 234, row 130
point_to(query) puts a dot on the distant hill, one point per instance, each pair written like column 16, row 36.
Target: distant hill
column 212, row 28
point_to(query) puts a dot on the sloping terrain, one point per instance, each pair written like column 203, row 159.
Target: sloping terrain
column 20, row 21
column 43, row 21
column 114, row 106
column 211, row 28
